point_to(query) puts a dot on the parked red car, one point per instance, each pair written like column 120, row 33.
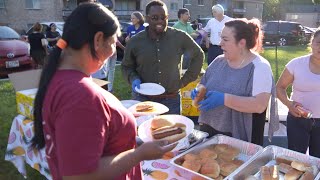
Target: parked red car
column 14, row 52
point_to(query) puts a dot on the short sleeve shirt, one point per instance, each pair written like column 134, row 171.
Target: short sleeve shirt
column 82, row 124
column 51, row 34
column 132, row 31
column 306, row 85
column 35, row 42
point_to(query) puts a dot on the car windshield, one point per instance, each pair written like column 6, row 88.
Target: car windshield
column 60, row 26
column 7, row 33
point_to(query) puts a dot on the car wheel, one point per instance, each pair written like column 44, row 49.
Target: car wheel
column 282, row 42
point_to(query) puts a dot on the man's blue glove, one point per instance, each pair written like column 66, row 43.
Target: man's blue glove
column 194, row 93
column 213, row 99
column 136, row 83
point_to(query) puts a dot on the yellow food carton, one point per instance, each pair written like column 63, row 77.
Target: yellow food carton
column 25, row 99
column 186, row 102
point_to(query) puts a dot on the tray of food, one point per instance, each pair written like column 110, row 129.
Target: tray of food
column 215, row 158
column 278, row 163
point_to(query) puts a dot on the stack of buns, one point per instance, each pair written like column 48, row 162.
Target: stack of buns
column 200, row 96
column 144, row 107
column 164, row 129
column 291, row 168
column 216, row 161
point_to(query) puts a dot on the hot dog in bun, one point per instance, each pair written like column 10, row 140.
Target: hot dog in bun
column 200, row 96
column 164, row 129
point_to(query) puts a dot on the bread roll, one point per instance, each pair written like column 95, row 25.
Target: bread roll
column 191, row 157
column 192, row 165
column 159, row 122
column 206, row 153
column 220, row 148
column 307, row 176
column 293, row 174
column 284, row 168
column 284, row 159
column 226, row 168
column 237, row 162
column 200, row 96
column 211, row 169
column 265, row 173
column 300, row 166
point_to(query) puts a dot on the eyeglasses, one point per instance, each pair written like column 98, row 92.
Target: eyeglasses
column 156, row 18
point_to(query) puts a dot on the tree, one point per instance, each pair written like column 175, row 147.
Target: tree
column 271, row 9
column 316, row 2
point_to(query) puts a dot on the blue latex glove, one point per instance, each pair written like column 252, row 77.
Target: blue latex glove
column 194, row 93
column 136, row 83
column 213, row 99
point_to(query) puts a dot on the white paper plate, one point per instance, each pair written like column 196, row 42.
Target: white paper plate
column 157, row 109
column 142, row 119
column 144, row 130
column 129, row 103
column 150, row 89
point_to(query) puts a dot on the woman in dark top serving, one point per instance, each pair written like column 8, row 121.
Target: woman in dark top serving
column 38, row 46
column 53, row 35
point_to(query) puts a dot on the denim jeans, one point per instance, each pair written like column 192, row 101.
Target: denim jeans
column 172, row 103
column 111, row 66
column 213, row 52
column 303, row 133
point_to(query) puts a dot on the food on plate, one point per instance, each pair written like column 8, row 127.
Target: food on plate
column 284, row 159
column 300, row 166
column 164, row 129
column 307, row 176
column 211, row 169
column 159, row 121
column 200, row 96
column 192, row 165
column 293, row 174
column 144, row 107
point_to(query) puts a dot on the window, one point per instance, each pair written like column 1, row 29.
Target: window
column 173, row 6
column 200, row 3
column 186, row 1
column 32, row 4
column 2, row 4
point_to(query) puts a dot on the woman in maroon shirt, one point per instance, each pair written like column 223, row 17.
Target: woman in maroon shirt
column 88, row 134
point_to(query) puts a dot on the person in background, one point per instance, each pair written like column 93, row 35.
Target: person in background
column 108, row 69
column 137, row 25
column 154, row 56
column 214, row 27
column 196, row 25
column 38, row 45
column 303, row 73
column 239, row 85
column 183, row 25
column 87, row 132
column 52, row 35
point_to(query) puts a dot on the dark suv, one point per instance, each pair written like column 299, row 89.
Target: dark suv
column 289, row 33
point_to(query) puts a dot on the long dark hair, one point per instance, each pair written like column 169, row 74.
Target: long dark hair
column 79, row 29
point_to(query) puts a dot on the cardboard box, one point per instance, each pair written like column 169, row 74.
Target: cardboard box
column 186, row 102
column 26, row 85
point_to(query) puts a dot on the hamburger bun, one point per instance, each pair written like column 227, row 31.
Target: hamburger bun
column 208, row 153
column 293, row 174
column 144, row 107
column 211, row 168
column 300, row 166
column 192, row 165
column 226, row 168
column 307, row 176
column 191, row 157
column 284, row 159
column 159, row 122
column 200, row 96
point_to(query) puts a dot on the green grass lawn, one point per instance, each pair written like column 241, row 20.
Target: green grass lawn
column 121, row 89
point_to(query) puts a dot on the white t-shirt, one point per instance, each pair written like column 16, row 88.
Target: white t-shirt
column 215, row 28
column 306, row 85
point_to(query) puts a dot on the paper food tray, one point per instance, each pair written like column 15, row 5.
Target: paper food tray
column 267, row 157
column 247, row 151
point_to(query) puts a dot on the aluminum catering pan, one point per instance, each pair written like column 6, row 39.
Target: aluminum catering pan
column 247, row 151
column 267, row 157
